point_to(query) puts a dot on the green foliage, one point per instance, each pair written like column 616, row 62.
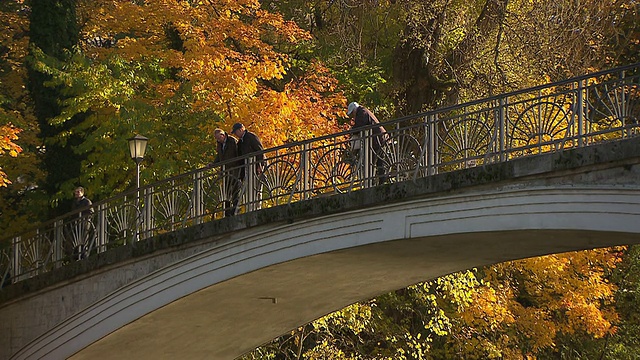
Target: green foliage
column 356, row 41
column 399, row 325
column 119, row 100
column 512, row 310
column 625, row 342
column 361, row 84
column 174, row 81
column 53, row 29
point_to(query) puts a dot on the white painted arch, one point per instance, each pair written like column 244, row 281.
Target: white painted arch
column 265, row 281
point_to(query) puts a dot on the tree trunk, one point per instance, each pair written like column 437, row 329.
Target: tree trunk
column 429, row 81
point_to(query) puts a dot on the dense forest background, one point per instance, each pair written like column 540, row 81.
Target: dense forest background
column 79, row 77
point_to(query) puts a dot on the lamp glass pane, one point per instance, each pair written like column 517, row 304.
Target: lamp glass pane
column 141, row 146
column 137, row 146
column 132, row 148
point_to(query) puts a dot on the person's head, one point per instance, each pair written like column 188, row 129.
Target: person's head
column 351, row 109
column 220, row 135
column 78, row 192
column 238, row 129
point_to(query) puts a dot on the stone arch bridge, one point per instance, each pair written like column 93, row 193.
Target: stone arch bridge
column 539, row 171
column 219, row 289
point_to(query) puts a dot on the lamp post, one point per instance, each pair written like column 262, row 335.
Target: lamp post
column 137, row 147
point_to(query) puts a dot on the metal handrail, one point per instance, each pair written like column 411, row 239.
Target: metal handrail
column 594, row 108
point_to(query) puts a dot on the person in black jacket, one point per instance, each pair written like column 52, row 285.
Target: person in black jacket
column 82, row 202
column 81, row 232
column 227, row 150
column 364, row 117
column 248, row 143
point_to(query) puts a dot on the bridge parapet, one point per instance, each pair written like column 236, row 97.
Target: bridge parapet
column 579, row 112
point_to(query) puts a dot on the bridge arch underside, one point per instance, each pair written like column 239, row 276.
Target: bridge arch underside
column 239, row 294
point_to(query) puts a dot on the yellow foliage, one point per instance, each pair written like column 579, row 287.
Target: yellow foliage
column 223, row 52
column 531, row 301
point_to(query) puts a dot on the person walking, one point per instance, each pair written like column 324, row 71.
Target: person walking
column 363, row 117
column 227, row 150
column 248, row 143
column 80, row 233
column 82, row 202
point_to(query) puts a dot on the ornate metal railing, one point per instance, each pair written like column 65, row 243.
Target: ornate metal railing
column 595, row 108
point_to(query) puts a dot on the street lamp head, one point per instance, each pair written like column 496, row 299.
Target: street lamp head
column 137, row 147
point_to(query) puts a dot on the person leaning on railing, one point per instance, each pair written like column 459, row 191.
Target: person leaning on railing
column 227, row 150
column 363, row 117
column 248, row 143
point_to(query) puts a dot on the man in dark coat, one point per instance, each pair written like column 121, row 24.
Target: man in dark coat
column 248, row 143
column 227, row 150
column 363, row 117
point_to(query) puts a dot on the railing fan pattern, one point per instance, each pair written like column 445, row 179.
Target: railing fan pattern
column 591, row 109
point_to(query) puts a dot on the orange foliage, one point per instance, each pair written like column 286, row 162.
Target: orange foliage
column 226, row 51
column 14, row 44
column 8, row 134
column 300, row 112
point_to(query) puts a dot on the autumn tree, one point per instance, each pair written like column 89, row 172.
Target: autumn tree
column 455, row 51
column 53, row 31
column 22, row 204
column 9, row 61
column 186, row 69
column 533, row 308
column 527, row 308
column 404, row 57
column 624, row 343
column 356, row 40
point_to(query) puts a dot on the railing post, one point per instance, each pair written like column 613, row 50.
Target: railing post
column 501, row 126
column 423, row 164
column 305, row 168
column 366, row 159
column 6, row 277
column 197, row 211
column 222, row 183
column 146, row 214
column 580, row 108
column 432, row 146
column 102, row 228
column 248, row 180
column 15, row 259
column 58, row 242
column 252, row 180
